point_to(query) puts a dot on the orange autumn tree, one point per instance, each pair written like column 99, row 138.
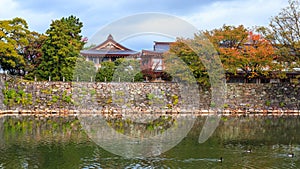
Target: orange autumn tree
column 241, row 51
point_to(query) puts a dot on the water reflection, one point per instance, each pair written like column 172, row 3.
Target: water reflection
column 61, row 142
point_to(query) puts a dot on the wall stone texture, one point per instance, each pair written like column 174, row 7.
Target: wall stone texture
column 18, row 96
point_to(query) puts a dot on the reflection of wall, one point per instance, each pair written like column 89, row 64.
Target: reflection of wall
column 2, row 119
column 282, row 130
column 2, row 106
column 257, row 130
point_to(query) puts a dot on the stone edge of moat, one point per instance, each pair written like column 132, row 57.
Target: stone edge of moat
column 124, row 113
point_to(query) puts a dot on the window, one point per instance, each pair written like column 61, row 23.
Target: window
column 157, row 65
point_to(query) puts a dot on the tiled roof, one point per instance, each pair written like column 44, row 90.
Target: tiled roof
column 108, row 52
column 109, row 48
column 151, row 53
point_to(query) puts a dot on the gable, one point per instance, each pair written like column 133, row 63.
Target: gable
column 111, row 44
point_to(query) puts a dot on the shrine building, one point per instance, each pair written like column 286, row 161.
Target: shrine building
column 109, row 50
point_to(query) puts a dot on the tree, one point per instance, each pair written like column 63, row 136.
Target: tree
column 13, row 39
column 284, row 32
column 182, row 60
column 105, row 72
column 242, row 51
column 200, row 58
column 61, row 49
column 33, row 53
column 89, row 47
column 127, row 70
column 84, row 70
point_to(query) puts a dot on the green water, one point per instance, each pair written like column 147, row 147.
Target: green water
column 60, row 142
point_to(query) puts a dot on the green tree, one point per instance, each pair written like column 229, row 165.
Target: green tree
column 84, row 70
column 127, row 70
column 61, row 49
column 200, row 59
column 13, row 40
column 182, row 60
column 106, row 71
column 89, row 47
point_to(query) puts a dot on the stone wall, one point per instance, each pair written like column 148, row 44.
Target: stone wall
column 144, row 97
column 254, row 97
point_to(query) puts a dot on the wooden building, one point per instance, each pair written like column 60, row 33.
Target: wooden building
column 152, row 64
column 109, row 50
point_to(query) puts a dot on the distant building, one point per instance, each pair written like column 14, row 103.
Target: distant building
column 152, row 60
column 109, row 50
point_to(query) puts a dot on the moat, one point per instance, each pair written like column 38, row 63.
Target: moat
column 61, row 142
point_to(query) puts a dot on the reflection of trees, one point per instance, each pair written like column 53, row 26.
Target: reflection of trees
column 42, row 142
column 46, row 142
column 63, row 129
column 39, row 128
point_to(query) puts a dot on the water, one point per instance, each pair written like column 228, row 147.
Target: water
column 61, row 142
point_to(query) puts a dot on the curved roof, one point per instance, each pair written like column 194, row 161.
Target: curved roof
column 109, row 48
column 101, row 53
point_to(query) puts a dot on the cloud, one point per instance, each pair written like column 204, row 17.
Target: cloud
column 7, row 9
column 36, row 21
column 157, row 24
column 249, row 13
column 96, row 14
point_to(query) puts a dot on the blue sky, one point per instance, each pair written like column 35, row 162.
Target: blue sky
column 96, row 14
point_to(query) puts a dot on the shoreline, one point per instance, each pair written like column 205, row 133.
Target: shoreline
column 124, row 113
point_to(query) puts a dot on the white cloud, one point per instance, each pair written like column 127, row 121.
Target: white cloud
column 249, row 13
column 157, row 24
column 7, row 7
column 36, row 21
column 96, row 14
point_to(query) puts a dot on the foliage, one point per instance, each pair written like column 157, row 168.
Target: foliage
column 127, row 70
column 33, row 53
column 242, row 51
column 175, row 99
column 189, row 59
column 150, row 96
column 284, row 32
column 67, row 97
column 61, row 49
column 13, row 39
column 268, row 103
column 13, row 97
column 84, row 70
column 106, row 71
column 19, row 96
column 89, row 47
column 178, row 59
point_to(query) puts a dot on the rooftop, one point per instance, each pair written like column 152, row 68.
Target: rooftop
column 109, row 48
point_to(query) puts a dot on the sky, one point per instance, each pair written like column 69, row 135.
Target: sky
column 98, row 15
